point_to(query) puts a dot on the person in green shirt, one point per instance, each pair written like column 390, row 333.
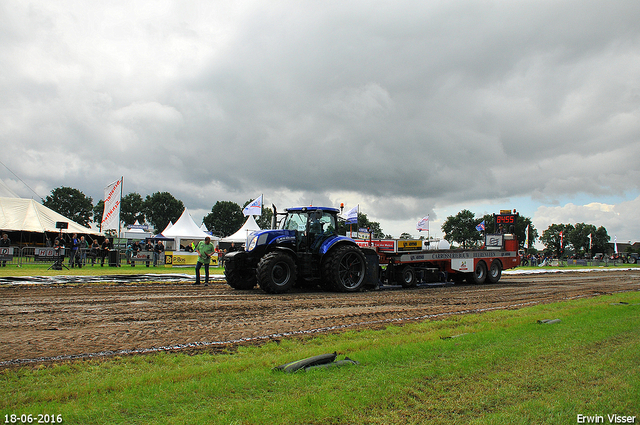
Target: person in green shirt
column 205, row 250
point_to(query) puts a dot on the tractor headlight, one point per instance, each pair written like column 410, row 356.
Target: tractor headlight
column 252, row 244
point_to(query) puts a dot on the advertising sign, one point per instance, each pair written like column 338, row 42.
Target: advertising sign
column 6, row 253
column 179, row 258
column 493, row 241
column 409, row 245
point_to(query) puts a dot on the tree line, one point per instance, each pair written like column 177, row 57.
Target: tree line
column 160, row 208
column 580, row 239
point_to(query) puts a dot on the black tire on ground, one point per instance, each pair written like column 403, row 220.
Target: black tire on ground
column 495, row 271
column 241, row 279
column 479, row 274
column 406, row 276
column 344, row 269
column 276, row 272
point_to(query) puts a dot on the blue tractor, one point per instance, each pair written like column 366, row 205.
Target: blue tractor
column 303, row 246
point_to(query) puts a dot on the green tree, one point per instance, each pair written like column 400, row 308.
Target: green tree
column 98, row 210
column 405, row 236
column 462, row 229
column 579, row 238
column 224, row 219
column 600, row 241
column 363, row 222
column 554, row 244
column 161, row 208
column 132, row 209
column 71, row 203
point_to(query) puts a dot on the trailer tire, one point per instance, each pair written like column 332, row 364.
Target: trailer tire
column 241, row 279
column 495, row 271
column 479, row 274
column 406, row 277
column 276, row 272
column 344, row 269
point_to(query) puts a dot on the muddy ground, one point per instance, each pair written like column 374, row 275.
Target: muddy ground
column 61, row 322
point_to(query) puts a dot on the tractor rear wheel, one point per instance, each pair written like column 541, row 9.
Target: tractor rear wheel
column 479, row 274
column 241, row 279
column 276, row 272
column 344, row 269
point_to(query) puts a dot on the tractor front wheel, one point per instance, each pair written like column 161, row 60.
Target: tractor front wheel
column 241, row 279
column 276, row 272
column 344, row 269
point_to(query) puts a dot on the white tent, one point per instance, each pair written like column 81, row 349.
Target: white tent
column 27, row 215
column 136, row 232
column 185, row 228
column 247, row 228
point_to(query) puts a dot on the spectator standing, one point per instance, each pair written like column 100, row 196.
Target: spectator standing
column 158, row 249
column 205, row 250
column 135, row 248
column 105, row 247
column 83, row 247
column 93, row 253
column 74, row 250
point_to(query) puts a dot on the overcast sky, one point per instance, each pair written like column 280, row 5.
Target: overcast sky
column 406, row 108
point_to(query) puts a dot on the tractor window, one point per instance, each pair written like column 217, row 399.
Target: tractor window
column 328, row 223
column 296, row 221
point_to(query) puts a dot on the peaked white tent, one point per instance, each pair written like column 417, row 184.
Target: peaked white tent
column 185, row 228
column 27, row 215
column 247, row 228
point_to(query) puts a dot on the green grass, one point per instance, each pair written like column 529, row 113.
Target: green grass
column 503, row 368
column 125, row 269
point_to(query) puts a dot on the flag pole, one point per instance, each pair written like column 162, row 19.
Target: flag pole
column 120, row 209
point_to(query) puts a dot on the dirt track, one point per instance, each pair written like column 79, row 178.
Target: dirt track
column 45, row 321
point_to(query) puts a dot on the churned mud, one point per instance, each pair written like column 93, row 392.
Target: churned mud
column 56, row 322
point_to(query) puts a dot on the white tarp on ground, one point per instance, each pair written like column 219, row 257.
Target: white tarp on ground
column 247, row 228
column 185, row 228
column 27, row 215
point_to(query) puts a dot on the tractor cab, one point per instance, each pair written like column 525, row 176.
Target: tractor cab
column 311, row 225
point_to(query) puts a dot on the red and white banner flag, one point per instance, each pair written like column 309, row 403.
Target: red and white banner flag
column 111, row 213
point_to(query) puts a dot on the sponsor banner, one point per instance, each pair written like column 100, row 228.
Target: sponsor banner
column 452, row 255
column 409, row 245
column 142, row 256
column 387, row 245
column 178, row 258
column 494, row 241
column 6, row 253
column 462, row 265
column 111, row 213
column 48, row 254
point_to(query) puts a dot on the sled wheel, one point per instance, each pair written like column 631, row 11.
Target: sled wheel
column 479, row 274
column 406, row 277
column 495, row 271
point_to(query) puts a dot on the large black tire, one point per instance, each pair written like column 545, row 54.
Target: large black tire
column 479, row 274
column 241, row 279
column 276, row 272
column 344, row 269
column 406, row 276
column 495, row 271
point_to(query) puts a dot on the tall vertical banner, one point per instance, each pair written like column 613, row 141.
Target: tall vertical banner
column 526, row 238
column 111, row 213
